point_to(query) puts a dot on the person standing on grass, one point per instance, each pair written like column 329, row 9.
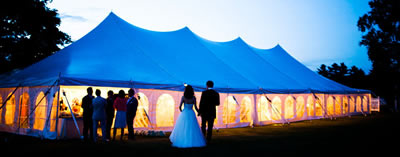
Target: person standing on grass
column 208, row 102
column 109, row 113
column 99, row 115
column 87, row 114
column 131, row 107
column 120, row 118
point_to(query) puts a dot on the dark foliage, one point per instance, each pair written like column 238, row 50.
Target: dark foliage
column 381, row 28
column 28, row 33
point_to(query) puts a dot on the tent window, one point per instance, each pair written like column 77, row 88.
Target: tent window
column 310, row 106
column 289, row 107
column 40, row 112
column 25, row 103
column 141, row 119
column 338, row 106
column 10, row 110
column 229, row 114
column 276, row 108
column 358, row 103
column 365, row 104
column 165, row 110
column 318, row 107
column 330, row 106
column 245, row 110
column 263, row 109
column 300, row 107
column 345, row 104
column 352, row 104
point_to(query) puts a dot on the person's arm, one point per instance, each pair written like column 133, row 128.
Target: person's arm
column 180, row 104
column 217, row 99
column 200, row 104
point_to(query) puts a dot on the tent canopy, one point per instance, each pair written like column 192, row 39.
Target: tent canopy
column 119, row 54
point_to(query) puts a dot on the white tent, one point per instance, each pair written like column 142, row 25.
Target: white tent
column 257, row 86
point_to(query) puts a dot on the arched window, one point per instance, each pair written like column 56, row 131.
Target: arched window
column 352, row 104
column 330, row 106
column 276, row 108
column 318, row 107
column 299, row 107
column 229, row 112
column 338, row 106
column 345, row 104
column 25, row 103
column 358, row 104
column 365, row 104
column 141, row 119
column 310, row 106
column 165, row 111
column 289, row 107
column 245, row 110
column 40, row 111
column 263, row 109
column 10, row 110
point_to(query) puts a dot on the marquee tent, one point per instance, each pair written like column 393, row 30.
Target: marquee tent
column 257, row 86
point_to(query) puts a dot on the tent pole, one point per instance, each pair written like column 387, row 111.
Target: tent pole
column 58, row 108
column 73, row 116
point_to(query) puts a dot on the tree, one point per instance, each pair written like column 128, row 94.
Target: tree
column 353, row 77
column 28, row 33
column 381, row 34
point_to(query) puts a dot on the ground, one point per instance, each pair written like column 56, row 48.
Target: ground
column 377, row 133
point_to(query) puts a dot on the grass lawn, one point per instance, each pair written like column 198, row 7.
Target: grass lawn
column 357, row 135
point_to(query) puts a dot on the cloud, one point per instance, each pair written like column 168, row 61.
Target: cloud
column 73, row 18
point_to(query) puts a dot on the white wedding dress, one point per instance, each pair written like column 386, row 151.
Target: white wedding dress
column 187, row 132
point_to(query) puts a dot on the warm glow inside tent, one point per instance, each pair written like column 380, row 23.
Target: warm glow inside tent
column 257, row 86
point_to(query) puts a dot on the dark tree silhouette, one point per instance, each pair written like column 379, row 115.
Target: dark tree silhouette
column 353, row 77
column 28, row 33
column 381, row 34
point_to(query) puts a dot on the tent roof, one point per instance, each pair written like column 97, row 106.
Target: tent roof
column 117, row 53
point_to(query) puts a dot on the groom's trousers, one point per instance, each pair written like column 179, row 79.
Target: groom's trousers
column 209, row 121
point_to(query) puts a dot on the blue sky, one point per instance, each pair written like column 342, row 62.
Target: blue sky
column 313, row 31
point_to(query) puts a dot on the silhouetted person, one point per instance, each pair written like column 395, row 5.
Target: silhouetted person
column 131, row 107
column 109, row 113
column 99, row 115
column 87, row 114
column 208, row 102
column 120, row 118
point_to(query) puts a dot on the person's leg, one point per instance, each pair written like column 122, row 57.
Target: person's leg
column 115, row 133
column 91, row 127
column 95, row 124
column 103, row 129
column 122, row 133
column 203, row 125
column 129, row 121
column 85, row 128
column 108, row 128
column 210, row 128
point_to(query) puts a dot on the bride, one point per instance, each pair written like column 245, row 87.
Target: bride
column 186, row 132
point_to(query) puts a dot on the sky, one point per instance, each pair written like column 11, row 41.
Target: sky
column 314, row 32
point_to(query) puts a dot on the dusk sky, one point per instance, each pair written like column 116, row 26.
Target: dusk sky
column 315, row 32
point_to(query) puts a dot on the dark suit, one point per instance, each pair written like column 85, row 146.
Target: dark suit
column 87, row 116
column 131, row 108
column 208, row 102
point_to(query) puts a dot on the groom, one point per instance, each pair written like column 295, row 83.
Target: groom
column 208, row 102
